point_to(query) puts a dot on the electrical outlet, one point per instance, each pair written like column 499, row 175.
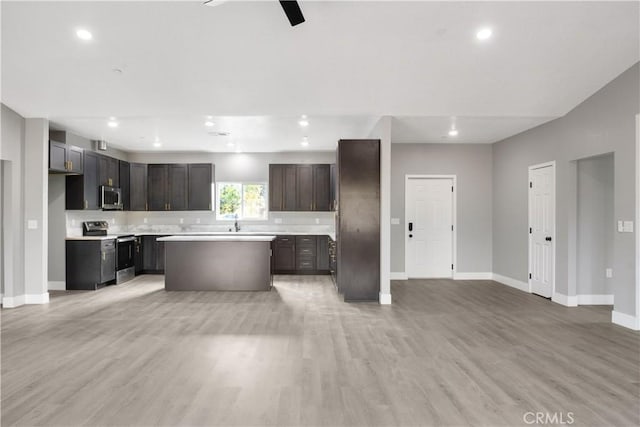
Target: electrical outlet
column 181, row 220
column 317, row 220
column 113, row 221
column 628, row 226
column 277, row 220
column 32, row 224
column 145, row 220
column 73, row 222
column 609, row 273
column 197, row 220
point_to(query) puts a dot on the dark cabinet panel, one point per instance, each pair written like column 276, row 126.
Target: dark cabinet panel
column 200, row 180
column 160, row 256
column 138, row 187
column 284, row 254
column 304, row 182
column 109, row 171
column 178, row 185
column 152, row 254
column 157, row 187
column 57, row 156
column 65, row 158
column 276, row 187
column 125, row 183
column 138, row 257
column 90, row 263
column 321, row 187
column 290, row 191
column 82, row 190
column 322, row 253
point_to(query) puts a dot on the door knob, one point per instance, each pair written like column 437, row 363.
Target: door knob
column 548, row 239
column 410, row 235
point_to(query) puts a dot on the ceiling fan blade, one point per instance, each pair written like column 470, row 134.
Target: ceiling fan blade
column 293, row 12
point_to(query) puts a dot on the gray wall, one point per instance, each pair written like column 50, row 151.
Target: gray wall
column 603, row 123
column 472, row 164
column 596, row 224
column 13, row 129
column 87, row 144
column 57, row 227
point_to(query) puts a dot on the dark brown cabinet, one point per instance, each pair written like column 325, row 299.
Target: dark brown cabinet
column 125, row 184
column 65, row 158
column 299, row 187
column 306, row 253
column 284, row 254
column 152, row 254
column 90, row 263
column 109, row 172
column 167, row 187
column 200, row 180
column 82, row 190
column 138, row 187
column 322, row 253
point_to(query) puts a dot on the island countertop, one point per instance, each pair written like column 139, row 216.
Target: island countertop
column 218, row 238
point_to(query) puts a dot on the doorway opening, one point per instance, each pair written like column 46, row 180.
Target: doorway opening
column 430, row 232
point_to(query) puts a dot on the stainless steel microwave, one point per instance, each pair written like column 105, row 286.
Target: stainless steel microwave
column 110, row 198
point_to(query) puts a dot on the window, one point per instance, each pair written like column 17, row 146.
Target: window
column 241, row 200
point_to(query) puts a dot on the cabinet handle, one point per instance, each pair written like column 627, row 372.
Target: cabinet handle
column 104, row 256
column 169, row 206
column 70, row 165
column 146, row 206
column 86, row 204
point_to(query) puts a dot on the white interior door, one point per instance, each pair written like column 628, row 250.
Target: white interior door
column 429, row 227
column 542, row 230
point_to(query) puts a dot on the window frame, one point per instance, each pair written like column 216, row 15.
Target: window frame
column 241, row 216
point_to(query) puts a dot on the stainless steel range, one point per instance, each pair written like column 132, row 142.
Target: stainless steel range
column 125, row 248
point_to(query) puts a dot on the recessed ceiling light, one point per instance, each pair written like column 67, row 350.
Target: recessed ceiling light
column 84, row 34
column 305, row 142
column 209, row 123
column 303, row 121
column 453, row 132
column 112, row 124
column 230, row 144
column 209, row 117
column 484, row 34
column 157, row 144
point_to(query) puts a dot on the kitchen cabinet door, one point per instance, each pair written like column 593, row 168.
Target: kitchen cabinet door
column 157, row 187
column 333, row 203
column 322, row 253
column 290, row 192
column 284, row 254
column 200, row 180
column 103, row 170
column 125, row 184
column 160, row 256
column 138, row 187
column 304, row 184
column 178, row 187
column 75, row 157
column 321, row 187
column 109, row 171
column 149, row 253
column 57, row 156
column 276, row 187
column 81, row 191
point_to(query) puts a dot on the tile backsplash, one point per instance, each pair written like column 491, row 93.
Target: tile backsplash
column 198, row 221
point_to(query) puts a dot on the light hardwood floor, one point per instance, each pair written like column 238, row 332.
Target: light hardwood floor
column 445, row 353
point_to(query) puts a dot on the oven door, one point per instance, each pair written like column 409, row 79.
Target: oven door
column 126, row 251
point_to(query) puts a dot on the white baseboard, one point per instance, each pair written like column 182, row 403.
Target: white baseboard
column 57, row 285
column 626, row 320
column 11, row 302
column 472, row 276
column 595, row 299
column 385, row 299
column 399, row 275
column 37, row 298
column 514, row 283
column 566, row 300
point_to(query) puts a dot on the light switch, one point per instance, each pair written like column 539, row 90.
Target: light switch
column 620, row 227
column 32, row 224
column 628, row 226
column 395, row 221
column 609, row 273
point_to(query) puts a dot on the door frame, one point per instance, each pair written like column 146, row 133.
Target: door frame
column 454, row 249
column 551, row 164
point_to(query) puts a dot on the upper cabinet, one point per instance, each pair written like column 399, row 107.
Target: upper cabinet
column 304, row 187
column 82, row 190
column 200, row 189
column 125, row 184
column 138, row 187
column 65, row 158
column 109, row 172
column 167, row 186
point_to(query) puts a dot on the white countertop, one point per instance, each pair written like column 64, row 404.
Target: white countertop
column 211, row 233
column 91, row 238
column 226, row 238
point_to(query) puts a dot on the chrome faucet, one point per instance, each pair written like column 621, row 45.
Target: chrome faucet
column 236, row 225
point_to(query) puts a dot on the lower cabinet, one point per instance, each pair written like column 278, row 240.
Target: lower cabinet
column 152, row 255
column 90, row 264
column 302, row 254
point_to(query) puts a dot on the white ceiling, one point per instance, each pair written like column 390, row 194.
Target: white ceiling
column 350, row 63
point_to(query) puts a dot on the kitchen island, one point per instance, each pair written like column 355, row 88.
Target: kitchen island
column 217, row 263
